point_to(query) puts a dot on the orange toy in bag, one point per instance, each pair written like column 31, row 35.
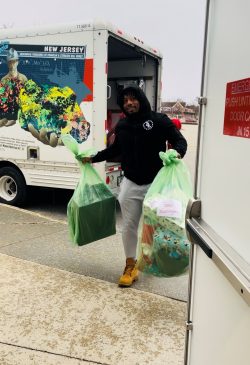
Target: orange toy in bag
column 147, row 233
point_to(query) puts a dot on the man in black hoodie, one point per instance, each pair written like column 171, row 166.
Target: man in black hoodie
column 139, row 137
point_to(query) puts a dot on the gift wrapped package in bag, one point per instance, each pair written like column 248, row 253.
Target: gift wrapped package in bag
column 92, row 209
column 163, row 247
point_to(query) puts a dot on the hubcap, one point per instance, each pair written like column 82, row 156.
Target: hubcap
column 8, row 188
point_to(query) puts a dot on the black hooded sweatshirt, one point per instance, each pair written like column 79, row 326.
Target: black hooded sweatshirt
column 139, row 137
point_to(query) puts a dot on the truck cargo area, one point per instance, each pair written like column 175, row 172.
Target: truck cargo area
column 127, row 65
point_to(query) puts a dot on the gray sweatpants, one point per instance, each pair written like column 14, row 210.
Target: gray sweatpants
column 131, row 198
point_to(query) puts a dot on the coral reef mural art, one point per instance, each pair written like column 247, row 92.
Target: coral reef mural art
column 44, row 99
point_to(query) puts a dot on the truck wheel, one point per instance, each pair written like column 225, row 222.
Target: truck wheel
column 13, row 188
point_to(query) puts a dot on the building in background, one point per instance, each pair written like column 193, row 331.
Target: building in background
column 179, row 109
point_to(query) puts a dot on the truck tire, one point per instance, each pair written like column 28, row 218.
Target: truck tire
column 13, row 188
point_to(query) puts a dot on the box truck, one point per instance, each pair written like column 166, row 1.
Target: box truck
column 218, row 218
column 65, row 79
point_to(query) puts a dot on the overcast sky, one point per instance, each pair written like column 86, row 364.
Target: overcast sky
column 175, row 27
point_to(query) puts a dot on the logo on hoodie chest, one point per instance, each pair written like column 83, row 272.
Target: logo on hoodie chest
column 148, row 125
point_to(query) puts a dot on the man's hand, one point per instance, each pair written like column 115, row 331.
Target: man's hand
column 87, row 160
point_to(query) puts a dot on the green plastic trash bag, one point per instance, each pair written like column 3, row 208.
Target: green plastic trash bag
column 163, row 247
column 91, row 211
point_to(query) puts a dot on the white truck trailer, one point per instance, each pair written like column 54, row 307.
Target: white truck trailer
column 218, row 220
column 65, row 79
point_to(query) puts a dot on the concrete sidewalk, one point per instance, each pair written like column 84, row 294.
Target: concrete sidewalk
column 49, row 316
column 52, row 316
column 45, row 240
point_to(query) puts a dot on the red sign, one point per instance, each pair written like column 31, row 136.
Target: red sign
column 237, row 109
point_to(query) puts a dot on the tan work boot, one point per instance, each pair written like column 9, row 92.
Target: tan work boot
column 130, row 273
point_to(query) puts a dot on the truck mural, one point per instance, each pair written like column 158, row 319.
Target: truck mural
column 41, row 87
column 65, row 79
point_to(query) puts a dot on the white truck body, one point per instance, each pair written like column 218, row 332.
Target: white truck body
column 95, row 60
column 218, row 323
